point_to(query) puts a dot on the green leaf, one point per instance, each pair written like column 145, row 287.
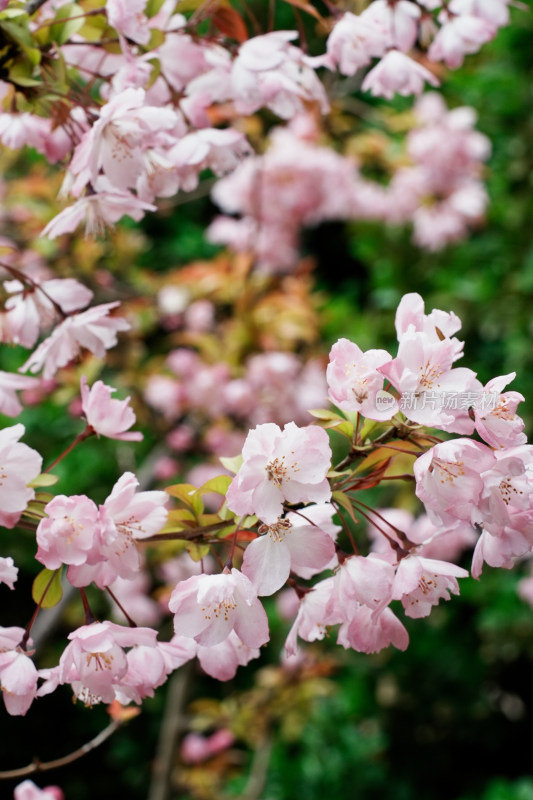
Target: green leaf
column 232, row 464
column 325, row 413
column 44, row 479
column 344, row 501
column 21, row 73
column 12, row 13
column 61, row 32
column 44, row 497
column 197, row 551
column 93, row 28
column 219, row 484
column 183, row 491
column 178, row 520
column 346, row 428
column 152, row 7
column 47, row 590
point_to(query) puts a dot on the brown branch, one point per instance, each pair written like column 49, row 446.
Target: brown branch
column 187, row 533
column 43, row 766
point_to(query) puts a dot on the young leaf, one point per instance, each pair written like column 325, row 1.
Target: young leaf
column 44, row 479
column 47, row 590
column 344, row 501
column 232, row 464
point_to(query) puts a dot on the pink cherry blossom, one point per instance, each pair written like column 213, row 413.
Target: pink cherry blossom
column 98, row 211
column 458, row 36
column 497, row 423
column 117, row 141
column 270, row 72
column 283, row 547
column 354, row 380
column 361, row 580
column 128, row 19
column 432, row 393
column 448, row 478
column 208, row 607
column 125, row 517
column 505, row 502
column 354, row 41
column 108, row 417
column 68, row 533
column 315, row 613
column 222, row 660
column 8, row 572
column 396, row 73
column 30, row 308
column 18, row 674
column 421, row 582
column 19, row 465
column 27, row 790
column 95, row 662
column 10, row 384
column 411, row 318
column 368, row 632
column 196, row 748
column 93, row 329
column 494, row 11
column 399, row 21
column 280, row 466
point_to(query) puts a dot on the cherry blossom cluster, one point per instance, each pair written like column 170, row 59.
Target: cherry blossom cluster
column 280, row 522
column 299, row 183
column 152, row 118
column 141, row 115
column 275, row 386
column 390, row 31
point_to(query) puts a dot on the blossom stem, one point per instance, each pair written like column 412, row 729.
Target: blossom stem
column 347, row 530
column 24, row 641
column 229, row 562
column 23, row 278
column 131, row 622
column 53, row 21
column 89, row 616
column 89, row 431
column 396, row 546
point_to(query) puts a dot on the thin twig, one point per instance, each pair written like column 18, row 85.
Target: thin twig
column 173, row 724
column 258, row 772
column 187, row 533
column 43, row 766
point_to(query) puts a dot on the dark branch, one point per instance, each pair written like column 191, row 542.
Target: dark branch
column 43, row 766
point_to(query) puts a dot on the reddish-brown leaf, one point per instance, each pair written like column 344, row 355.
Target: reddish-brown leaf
column 230, row 23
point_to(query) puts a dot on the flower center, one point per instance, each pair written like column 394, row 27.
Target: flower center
column 278, row 530
column 507, row 490
column 448, row 470
column 102, row 661
column 429, row 374
column 277, row 471
column 220, row 611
